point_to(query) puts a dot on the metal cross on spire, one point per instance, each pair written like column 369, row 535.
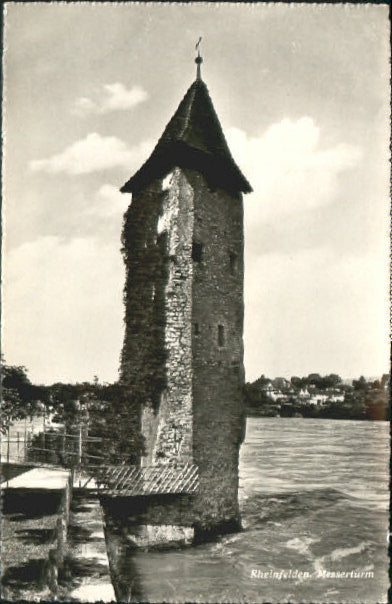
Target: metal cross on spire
column 198, row 59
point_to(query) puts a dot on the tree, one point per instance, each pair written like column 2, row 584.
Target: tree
column 11, row 408
column 114, row 416
column 14, row 377
column 315, row 379
column 360, row 384
column 298, row 382
column 377, row 407
column 332, row 380
column 261, row 381
column 19, row 395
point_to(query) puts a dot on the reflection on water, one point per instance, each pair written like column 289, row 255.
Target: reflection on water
column 314, row 500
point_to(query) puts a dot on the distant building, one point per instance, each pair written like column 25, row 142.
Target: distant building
column 272, row 392
column 303, row 393
column 335, row 395
column 318, row 399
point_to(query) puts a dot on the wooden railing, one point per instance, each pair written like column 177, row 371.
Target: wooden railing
column 58, row 449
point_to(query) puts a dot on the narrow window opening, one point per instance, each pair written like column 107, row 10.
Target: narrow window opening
column 221, row 335
column 161, row 241
column 233, row 263
column 197, row 251
column 196, row 329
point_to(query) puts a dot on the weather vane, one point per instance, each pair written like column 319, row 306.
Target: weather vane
column 198, row 59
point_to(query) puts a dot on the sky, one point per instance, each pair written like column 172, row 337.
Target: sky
column 302, row 93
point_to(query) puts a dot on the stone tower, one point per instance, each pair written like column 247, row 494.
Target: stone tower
column 182, row 358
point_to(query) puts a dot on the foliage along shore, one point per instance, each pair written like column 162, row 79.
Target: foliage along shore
column 316, row 396
column 106, row 412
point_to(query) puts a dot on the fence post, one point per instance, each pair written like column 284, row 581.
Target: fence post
column 63, row 444
column 8, row 443
column 25, row 438
column 80, row 455
column 44, row 439
column 17, row 444
column 8, row 448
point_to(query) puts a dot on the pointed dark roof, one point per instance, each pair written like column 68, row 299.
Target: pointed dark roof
column 192, row 139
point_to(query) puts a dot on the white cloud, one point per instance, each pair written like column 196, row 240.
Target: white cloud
column 288, row 168
column 115, row 97
column 109, row 202
column 93, row 153
column 71, row 327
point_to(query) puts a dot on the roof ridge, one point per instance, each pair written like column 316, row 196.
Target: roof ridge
column 187, row 117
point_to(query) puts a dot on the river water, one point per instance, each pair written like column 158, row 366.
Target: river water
column 314, row 500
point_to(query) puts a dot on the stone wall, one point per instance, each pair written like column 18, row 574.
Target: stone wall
column 157, row 354
column 217, row 346
column 148, row 509
column 173, row 440
column 143, row 354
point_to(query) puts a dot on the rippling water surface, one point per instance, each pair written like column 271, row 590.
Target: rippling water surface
column 314, row 500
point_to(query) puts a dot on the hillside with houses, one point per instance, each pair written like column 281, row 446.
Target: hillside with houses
column 319, row 396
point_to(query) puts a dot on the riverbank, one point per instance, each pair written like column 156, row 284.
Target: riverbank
column 53, row 544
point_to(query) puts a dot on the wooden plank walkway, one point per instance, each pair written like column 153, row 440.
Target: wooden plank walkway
column 131, row 481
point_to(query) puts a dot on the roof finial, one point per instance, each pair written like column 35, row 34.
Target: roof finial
column 198, row 60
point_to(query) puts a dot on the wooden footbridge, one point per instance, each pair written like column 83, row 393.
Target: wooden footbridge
column 58, row 450
column 150, row 480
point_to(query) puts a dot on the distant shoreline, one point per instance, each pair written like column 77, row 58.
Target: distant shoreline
column 353, row 419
